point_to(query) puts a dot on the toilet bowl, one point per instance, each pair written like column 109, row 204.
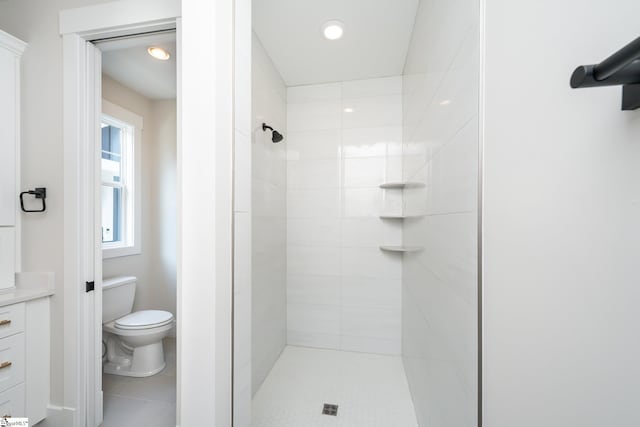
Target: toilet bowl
column 133, row 339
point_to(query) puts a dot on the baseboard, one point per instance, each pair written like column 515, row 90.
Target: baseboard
column 58, row 416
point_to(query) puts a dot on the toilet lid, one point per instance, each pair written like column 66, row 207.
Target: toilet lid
column 144, row 319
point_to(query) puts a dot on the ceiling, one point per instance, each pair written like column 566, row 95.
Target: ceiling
column 375, row 42
column 127, row 62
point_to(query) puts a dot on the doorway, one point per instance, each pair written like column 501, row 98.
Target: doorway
column 137, row 197
column 205, row 40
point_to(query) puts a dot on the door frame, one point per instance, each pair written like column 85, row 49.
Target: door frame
column 204, row 199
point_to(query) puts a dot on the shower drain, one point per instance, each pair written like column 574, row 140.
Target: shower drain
column 329, row 409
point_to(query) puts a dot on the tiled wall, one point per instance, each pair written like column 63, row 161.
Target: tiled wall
column 343, row 141
column 439, row 310
column 242, row 366
column 269, row 210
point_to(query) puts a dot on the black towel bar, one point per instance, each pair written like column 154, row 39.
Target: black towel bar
column 621, row 68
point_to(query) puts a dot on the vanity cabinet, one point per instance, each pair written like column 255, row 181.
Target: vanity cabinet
column 10, row 53
column 24, row 359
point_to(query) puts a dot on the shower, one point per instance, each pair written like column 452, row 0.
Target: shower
column 276, row 137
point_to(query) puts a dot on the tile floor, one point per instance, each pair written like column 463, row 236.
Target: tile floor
column 142, row 402
column 370, row 390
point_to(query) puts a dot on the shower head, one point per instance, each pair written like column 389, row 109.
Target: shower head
column 276, row 136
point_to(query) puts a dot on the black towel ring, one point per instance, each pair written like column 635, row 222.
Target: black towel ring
column 39, row 193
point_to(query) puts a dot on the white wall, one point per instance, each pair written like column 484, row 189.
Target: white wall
column 160, row 294
column 36, row 23
column 439, row 306
column 269, row 178
column 562, row 220
column 155, row 266
column 342, row 291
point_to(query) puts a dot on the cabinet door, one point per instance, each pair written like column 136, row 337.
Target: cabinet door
column 7, row 257
column 8, row 133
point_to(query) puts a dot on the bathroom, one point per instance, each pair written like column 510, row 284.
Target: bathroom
column 413, row 219
column 138, row 211
column 364, row 212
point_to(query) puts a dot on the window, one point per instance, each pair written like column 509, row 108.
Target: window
column 120, row 171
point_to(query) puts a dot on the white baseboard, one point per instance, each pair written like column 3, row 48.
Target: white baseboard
column 58, row 416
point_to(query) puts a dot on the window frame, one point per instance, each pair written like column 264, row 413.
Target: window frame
column 131, row 244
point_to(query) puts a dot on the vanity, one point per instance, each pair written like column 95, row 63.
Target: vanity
column 24, row 297
column 25, row 347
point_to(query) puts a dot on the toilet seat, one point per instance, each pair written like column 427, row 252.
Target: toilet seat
column 144, row 319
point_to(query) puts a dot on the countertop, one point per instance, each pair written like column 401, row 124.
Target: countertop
column 20, row 295
column 29, row 286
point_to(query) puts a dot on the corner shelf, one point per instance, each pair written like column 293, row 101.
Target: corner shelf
column 401, row 249
column 401, row 185
column 400, row 216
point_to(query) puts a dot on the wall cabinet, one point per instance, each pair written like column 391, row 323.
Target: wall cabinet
column 10, row 53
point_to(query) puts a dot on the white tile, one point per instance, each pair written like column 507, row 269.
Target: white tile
column 268, row 218
column 314, row 93
column 315, row 144
column 314, row 318
column 376, row 111
column 450, row 251
column 370, row 322
column 372, row 141
column 370, row 345
column 371, row 262
column 268, row 162
column 371, row 390
column 313, row 203
column 269, row 232
column 394, row 168
column 161, row 388
column 454, row 174
column 372, row 87
column 370, row 232
column 242, row 252
column 242, row 406
column 371, row 171
column 313, row 339
column 242, row 70
column 242, row 158
column 314, row 173
column 242, row 332
column 362, row 202
column 367, row 292
column 120, row 411
column 370, row 202
column 268, row 200
column 364, row 172
column 313, row 231
column 307, row 260
column 323, row 290
column 336, row 234
column 318, row 115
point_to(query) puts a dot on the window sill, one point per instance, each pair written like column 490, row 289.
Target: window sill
column 120, row 252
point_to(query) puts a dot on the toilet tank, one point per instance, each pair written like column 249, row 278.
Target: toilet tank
column 117, row 297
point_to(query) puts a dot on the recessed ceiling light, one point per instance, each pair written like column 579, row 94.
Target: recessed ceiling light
column 348, row 110
column 333, row 30
column 445, row 102
column 158, row 53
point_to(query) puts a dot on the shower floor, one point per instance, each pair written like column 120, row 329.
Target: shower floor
column 370, row 390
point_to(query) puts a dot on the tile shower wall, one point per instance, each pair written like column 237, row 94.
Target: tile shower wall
column 269, row 210
column 439, row 328
column 343, row 141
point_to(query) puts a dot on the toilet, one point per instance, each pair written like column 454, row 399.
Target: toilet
column 133, row 339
